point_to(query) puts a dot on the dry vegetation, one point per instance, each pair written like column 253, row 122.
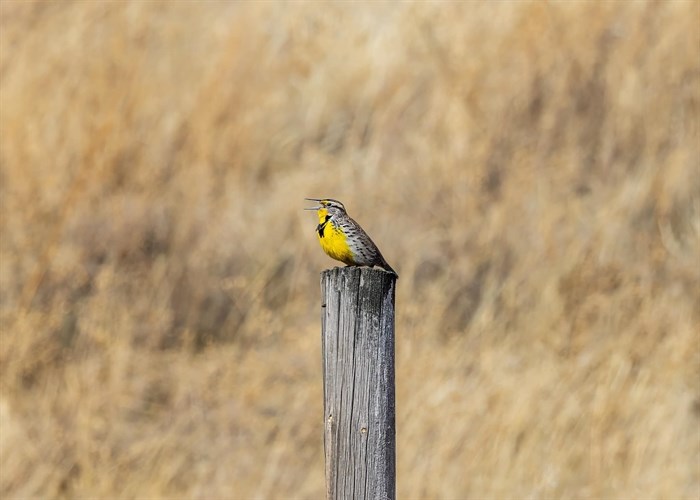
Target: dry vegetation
column 530, row 169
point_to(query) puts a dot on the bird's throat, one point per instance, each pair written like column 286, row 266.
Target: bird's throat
column 322, row 221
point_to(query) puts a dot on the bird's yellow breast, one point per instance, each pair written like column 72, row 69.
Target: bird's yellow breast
column 333, row 240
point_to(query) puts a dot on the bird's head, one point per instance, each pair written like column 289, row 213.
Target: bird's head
column 327, row 208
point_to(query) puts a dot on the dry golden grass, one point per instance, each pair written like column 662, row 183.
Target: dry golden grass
column 530, row 169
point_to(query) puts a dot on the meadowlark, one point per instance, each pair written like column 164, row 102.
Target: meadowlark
column 343, row 239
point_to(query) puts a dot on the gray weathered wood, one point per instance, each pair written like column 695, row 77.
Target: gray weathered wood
column 358, row 383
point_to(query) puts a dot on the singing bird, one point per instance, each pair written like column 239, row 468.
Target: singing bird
column 343, row 239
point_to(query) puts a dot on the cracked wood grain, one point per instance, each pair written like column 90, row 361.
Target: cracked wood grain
column 358, row 383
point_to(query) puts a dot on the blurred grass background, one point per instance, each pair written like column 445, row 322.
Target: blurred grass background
column 531, row 170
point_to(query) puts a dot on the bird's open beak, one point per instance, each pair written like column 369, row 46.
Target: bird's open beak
column 316, row 200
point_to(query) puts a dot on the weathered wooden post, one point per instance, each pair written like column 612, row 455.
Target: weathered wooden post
column 358, row 383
